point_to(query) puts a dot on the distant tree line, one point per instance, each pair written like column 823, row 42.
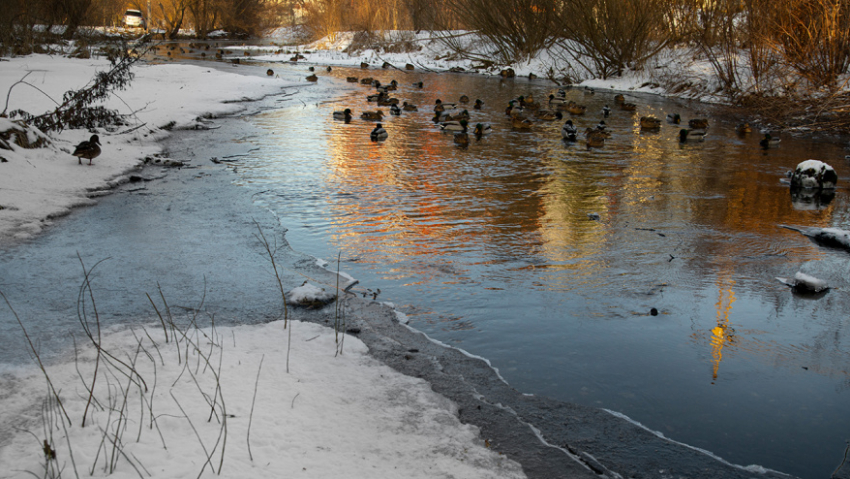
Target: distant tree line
column 24, row 22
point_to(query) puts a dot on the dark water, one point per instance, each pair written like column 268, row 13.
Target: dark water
column 490, row 248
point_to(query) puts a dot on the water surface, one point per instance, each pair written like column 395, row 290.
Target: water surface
column 490, row 248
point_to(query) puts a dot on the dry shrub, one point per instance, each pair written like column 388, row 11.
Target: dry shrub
column 813, row 37
column 609, row 36
column 516, row 28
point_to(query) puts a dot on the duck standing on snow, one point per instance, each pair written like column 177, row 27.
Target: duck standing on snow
column 379, row 133
column 88, row 149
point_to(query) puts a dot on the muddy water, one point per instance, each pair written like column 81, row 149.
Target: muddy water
column 491, row 248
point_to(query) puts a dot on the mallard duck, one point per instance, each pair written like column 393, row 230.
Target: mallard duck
column 461, row 139
column 442, row 117
column 606, row 110
column 463, row 115
column 387, row 101
column 576, row 109
column 769, row 141
column 520, row 123
column 372, row 115
column 686, row 135
column 312, row 78
column 514, row 111
column 548, row 115
column 351, row 79
column 588, row 132
column 569, row 131
column 408, row 107
column 88, row 149
column 364, row 65
column 463, row 99
column 743, row 129
column 698, row 123
column 343, row 115
column 553, row 100
column 312, row 69
column 650, row 123
column 366, row 81
column 329, row 69
column 375, row 96
column 439, row 105
column 482, row 129
column 628, row 106
column 453, row 125
column 527, row 102
column 418, row 84
column 395, row 110
column 269, row 72
column 379, row 133
column 595, row 139
column 589, row 91
column 674, row 118
column 478, row 104
column 619, row 99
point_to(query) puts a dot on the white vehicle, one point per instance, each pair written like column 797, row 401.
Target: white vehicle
column 134, row 19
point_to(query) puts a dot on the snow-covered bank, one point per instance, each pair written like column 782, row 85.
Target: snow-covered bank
column 329, row 416
column 38, row 184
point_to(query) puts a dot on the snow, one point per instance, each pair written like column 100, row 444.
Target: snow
column 309, row 294
column 43, row 183
column 814, row 174
column 330, row 415
column 321, row 410
column 805, row 282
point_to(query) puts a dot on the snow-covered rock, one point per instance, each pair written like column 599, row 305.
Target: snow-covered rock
column 309, row 296
column 814, row 174
column 805, row 284
column 834, row 237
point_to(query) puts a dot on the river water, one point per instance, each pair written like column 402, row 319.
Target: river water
column 491, row 248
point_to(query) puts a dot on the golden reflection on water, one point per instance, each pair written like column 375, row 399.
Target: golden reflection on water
column 434, row 212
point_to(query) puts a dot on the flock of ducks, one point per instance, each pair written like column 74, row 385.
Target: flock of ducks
column 523, row 113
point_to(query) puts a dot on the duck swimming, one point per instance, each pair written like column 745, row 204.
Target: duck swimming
column 769, row 141
column 674, row 118
column 569, row 131
column 408, row 107
column 372, row 115
column 685, row 135
column 395, row 110
column 343, row 115
column 482, row 129
column 454, row 126
column 379, row 133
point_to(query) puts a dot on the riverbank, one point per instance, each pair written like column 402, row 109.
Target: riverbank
column 408, row 420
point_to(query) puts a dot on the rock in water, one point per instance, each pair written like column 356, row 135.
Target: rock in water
column 833, row 237
column 805, row 284
column 814, row 174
